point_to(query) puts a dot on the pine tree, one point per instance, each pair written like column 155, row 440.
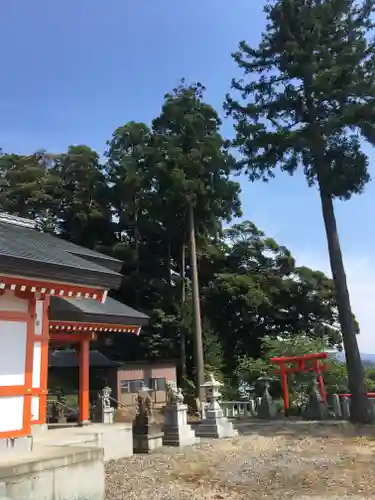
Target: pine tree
column 307, row 98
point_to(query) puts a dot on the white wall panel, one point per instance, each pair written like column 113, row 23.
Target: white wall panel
column 35, row 408
column 11, row 413
column 13, row 335
column 37, row 363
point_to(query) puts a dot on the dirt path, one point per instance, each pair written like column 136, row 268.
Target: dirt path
column 274, row 462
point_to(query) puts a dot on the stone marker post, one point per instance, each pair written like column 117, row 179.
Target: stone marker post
column 345, row 406
column 316, row 409
column 336, row 406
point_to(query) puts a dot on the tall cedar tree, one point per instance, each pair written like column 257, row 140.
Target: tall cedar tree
column 128, row 167
column 192, row 179
column 84, row 210
column 307, row 97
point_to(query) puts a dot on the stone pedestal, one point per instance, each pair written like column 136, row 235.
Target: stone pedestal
column 177, row 432
column 148, row 441
column 216, row 425
column 107, row 416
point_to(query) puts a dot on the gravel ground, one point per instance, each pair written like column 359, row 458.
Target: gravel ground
column 273, row 462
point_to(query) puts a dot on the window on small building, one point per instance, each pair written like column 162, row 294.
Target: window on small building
column 136, row 385
column 157, row 384
column 133, row 386
column 125, row 386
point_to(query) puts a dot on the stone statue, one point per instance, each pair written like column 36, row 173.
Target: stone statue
column 174, row 393
column 58, row 409
column 144, row 404
column 106, row 397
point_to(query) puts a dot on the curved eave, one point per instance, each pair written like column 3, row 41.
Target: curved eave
column 25, row 286
column 57, row 327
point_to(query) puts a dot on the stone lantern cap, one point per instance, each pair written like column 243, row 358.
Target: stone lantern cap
column 264, row 378
column 212, row 382
column 144, row 388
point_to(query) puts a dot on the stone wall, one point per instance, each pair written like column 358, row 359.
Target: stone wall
column 54, row 473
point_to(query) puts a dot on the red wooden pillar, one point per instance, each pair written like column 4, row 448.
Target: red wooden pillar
column 84, row 381
column 284, row 386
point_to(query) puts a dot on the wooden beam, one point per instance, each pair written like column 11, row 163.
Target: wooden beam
column 305, row 357
column 72, row 338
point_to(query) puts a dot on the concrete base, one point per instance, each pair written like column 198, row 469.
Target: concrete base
column 147, row 443
column 180, row 436
column 16, row 445
column 38, row 429
column 216, row 426
column 177, row 432
column 116, row 440
column 54, row 473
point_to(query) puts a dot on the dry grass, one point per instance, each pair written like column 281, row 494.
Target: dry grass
column 274, row 462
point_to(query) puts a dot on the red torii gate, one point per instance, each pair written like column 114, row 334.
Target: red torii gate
column 317, row 366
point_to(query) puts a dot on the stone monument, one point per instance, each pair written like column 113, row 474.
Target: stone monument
column 104, row 412
column 215, row 425
column 345, row 408
column 147, row 433
column 336, row 406
column 177, row 432
column 266, row 409
column 316, row 409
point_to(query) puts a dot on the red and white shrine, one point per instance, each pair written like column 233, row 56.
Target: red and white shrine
column 33, row 268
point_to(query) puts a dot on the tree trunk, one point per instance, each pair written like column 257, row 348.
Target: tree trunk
column 169, row 264
column 182, row 327
column 359, row 405
column 136, row 247
column 199, row 361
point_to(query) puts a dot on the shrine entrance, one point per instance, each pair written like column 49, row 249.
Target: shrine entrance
column 307, row 363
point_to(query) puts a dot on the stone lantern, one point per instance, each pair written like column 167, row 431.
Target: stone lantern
column 215, row 424
column 267, row 408
column 212, row 389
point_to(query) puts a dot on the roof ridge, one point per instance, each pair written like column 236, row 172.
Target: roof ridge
column 17, row 221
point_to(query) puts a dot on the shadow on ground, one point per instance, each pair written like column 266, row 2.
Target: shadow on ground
column 298, row 428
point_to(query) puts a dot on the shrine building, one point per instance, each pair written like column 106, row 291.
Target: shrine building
column 50, row 291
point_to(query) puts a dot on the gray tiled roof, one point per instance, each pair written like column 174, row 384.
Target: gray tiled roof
column 67, row 358
column 89, row 310
column 33, row 252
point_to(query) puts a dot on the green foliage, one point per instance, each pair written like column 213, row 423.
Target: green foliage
column 83, row 213
column 335, row 377
column 312, row 95
column 134, row 205
column 256, row 291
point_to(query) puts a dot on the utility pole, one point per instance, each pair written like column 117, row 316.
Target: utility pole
column 182, row 327
column 199, row 360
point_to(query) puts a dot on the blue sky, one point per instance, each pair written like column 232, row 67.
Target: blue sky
column 72, row 71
